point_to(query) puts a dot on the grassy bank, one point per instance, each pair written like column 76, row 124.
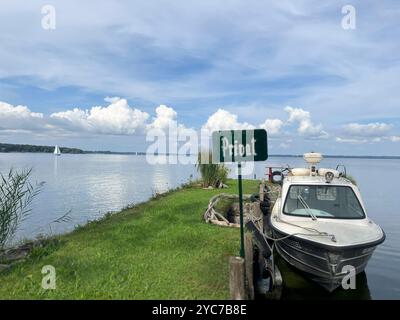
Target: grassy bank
column 161, row 249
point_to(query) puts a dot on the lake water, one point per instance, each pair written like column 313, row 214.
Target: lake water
column 88, row 186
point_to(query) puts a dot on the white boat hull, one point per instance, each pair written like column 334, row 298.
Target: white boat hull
column 322, row 263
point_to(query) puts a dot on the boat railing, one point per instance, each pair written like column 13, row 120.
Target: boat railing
column 285, row 170
column 342, row 170
column 273, row 171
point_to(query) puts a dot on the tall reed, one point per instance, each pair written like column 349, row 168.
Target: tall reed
column 212, row 174
column 16, row 195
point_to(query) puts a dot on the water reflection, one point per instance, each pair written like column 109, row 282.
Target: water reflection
column 298, row 287
column 55, row 167
column 89, row 186
column 160, row 179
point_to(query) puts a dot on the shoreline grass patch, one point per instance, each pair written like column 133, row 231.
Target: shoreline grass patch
column 160, row 249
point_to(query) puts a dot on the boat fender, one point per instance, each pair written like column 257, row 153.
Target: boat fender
column 254, row 197
column 277, row 177
column 264, row 210
column 265, row 204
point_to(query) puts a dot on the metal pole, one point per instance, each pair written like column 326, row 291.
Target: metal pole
column 241, row 210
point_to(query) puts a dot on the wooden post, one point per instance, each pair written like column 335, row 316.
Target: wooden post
column 262, row 184
column 270, row 174
column 248, row 245
column 236, row 278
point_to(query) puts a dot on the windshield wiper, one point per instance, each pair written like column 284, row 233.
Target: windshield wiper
column 307, row 207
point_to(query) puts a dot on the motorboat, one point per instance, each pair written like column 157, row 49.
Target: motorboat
column 320, row 225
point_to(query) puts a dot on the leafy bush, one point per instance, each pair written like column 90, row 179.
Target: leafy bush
column 16, row 195
column 212, row 174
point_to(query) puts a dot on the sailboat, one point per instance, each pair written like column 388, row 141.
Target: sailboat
column 57, row 151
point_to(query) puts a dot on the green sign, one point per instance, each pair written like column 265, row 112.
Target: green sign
column 240, row 145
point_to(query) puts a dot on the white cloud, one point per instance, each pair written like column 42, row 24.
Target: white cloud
column 363, row 140
column 273, row 126
column 367, row 133
column 18, row 117
column 306, row 127
column 166, row 119
column 117, row 118
column 367, row 130
column 284, row 145
column 224, row 120
column 164, row 116
column 111, row 99
column 351, row 141
column 394, row 138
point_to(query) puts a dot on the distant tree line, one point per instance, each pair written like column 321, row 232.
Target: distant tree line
column 7, row 147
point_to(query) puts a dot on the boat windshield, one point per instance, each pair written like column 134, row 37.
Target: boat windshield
column 323, row 201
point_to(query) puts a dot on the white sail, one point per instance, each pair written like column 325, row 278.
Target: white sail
column 57, row 151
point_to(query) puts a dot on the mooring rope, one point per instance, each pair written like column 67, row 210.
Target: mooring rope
column 212, row 214
column 319, row 233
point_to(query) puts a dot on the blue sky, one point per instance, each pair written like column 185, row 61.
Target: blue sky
column 287, row 66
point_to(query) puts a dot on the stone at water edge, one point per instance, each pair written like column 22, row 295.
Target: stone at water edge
column 14, row 254
column 4, row 267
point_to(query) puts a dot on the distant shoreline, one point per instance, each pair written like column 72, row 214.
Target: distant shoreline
column 25, row 148
column 270, row 156
column 337, row 156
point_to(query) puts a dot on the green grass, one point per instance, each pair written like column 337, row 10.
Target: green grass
column 161, row 249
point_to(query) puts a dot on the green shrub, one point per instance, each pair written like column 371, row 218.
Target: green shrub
column 212, row 174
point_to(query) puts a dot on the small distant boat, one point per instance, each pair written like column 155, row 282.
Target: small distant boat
column 57, row 151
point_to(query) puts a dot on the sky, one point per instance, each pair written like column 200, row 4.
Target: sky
column 105, row 73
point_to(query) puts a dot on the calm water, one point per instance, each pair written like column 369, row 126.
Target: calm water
column 88, row 186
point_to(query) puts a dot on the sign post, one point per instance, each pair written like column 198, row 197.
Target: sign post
column 240, row 146
column 241, row 210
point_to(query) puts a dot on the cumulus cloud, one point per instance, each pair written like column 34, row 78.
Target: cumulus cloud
column 225, row 120
column 306, row 127
column 273, row 126
column 166, row 119
column 367, row 130
column 116, row 118
column 367, row 133
column 164, row 116
column 19, row 117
